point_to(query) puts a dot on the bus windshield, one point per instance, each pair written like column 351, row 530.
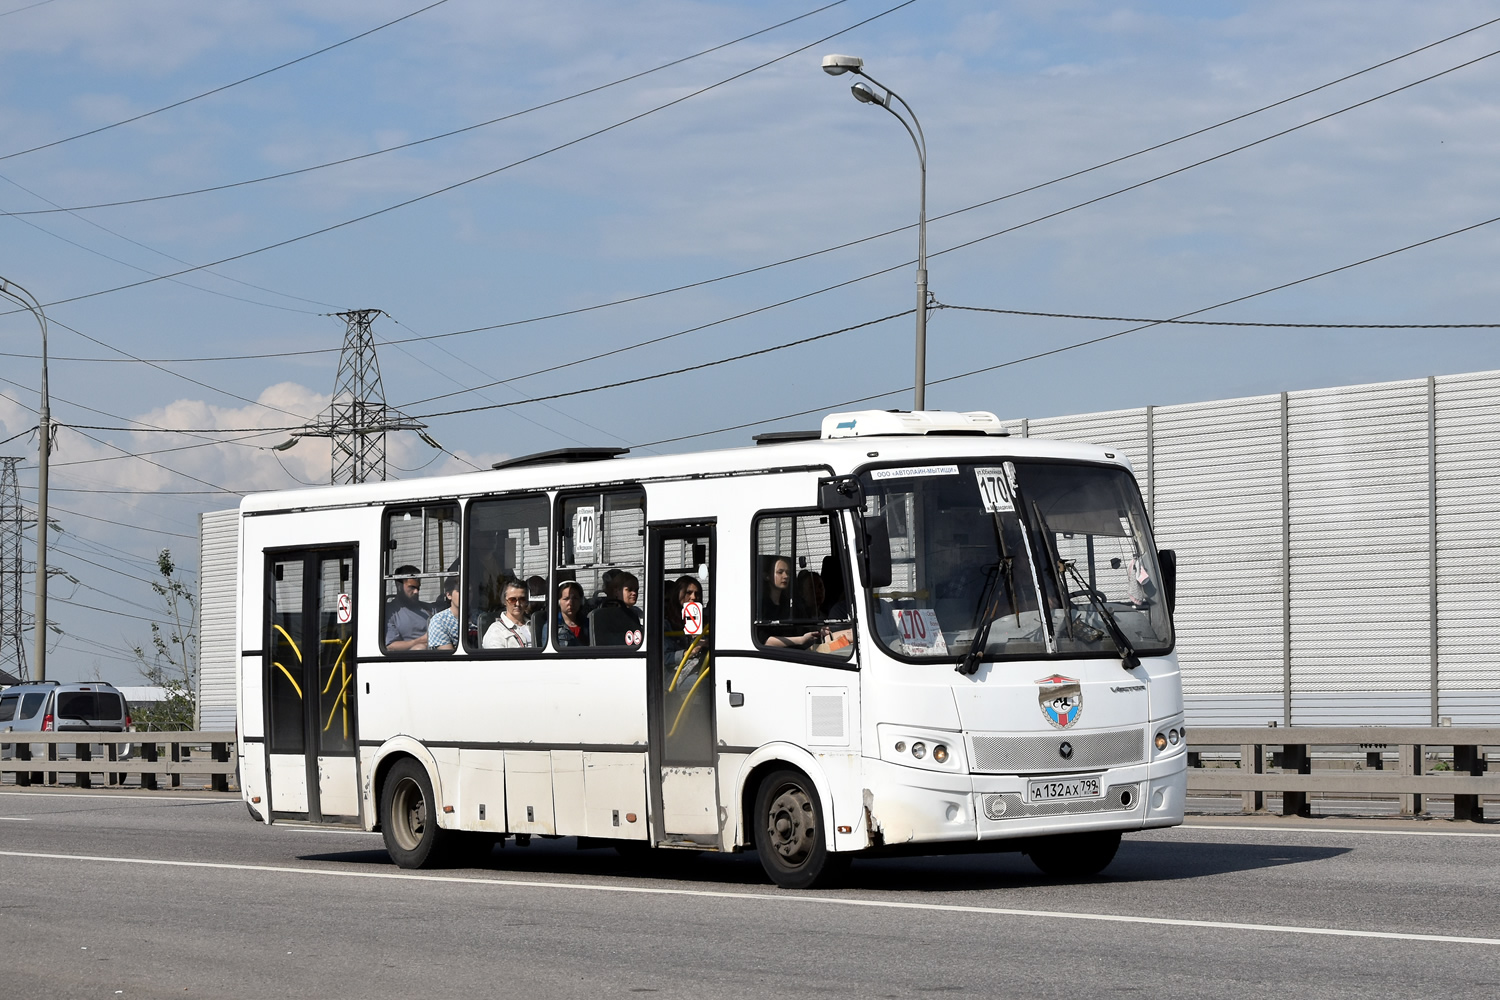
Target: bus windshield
column 1041, row 559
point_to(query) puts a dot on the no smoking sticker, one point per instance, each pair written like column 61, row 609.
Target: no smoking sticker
column 692, row 618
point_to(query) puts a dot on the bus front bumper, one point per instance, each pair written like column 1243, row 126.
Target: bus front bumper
column 906, row 805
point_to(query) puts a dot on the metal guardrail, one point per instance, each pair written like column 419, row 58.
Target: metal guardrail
column 153, row 756
column 1294, row 776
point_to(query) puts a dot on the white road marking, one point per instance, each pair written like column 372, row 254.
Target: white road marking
column 1334, row 829
column 120, row 796
column 15, row 819
column 783, row 898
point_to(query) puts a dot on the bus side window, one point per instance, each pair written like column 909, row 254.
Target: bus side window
column 421, row 548
column 602, row 546
column 801, row 598
column 507, row 548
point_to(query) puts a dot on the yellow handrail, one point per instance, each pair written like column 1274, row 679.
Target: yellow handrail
column 289, row 677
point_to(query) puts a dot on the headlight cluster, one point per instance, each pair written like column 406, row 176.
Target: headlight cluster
column 1170, row 737
column 926, row 751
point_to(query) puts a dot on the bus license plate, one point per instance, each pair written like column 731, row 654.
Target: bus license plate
column 1069, row 788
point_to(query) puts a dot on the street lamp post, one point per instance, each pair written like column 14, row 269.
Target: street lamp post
column 836, row 65
column 44, row 429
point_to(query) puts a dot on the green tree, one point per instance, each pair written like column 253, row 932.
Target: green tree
column 172, row 662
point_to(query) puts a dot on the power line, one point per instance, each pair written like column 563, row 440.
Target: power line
column 1225, row 322
column 478, row 177
column 121, row 524
column 1010, row 229
column 1079, row 344
column 221, row 89
column 431, row 138
column 135, row 267
column 837, row 247
column 668, row 374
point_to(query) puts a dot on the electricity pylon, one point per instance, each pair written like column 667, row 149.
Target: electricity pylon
column 358, row 417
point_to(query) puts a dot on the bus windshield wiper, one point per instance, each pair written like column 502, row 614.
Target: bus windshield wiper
column 1060, row 567
column 1004, row 569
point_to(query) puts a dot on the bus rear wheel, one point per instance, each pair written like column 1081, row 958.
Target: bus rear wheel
column 1075, row 855
column 790, row 837
column 408, row 818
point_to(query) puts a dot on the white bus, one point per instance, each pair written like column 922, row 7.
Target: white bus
column 906, row 633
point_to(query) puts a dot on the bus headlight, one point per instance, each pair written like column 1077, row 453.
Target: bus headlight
column 1161, row 741
column 940, row 754
column 919, row 750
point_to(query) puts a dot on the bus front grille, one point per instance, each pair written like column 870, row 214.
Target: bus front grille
column 1084, row 751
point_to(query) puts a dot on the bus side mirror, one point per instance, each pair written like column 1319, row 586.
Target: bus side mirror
column 1167, row 560
column 876, row 555
column 841, row 493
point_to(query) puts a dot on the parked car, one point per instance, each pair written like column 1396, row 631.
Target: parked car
column 50, row 707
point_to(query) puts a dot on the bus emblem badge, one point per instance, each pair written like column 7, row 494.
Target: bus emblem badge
column 1061, row 699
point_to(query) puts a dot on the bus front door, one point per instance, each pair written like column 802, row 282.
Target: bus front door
column 309, row 692
column 684, row 790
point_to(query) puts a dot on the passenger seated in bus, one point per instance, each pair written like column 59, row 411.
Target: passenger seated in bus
column 570, row 625
column 808, row 602
column 406, row 616
column 442, row 628
column 536, row 589
column 616, row 620
column 776, row 590
column 836, row 599
column 512, row 630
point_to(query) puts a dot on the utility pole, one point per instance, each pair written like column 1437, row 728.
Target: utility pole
column 358, row 417
column 12, row 651
column 13, row 291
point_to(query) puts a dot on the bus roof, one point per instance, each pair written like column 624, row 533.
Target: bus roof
column 882, row 437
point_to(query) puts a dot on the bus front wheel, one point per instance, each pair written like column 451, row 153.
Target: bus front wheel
column 408, row 817
column 1075, row 855
column 789, row 833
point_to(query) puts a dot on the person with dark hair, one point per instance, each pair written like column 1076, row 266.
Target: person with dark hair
column 810, row 595
column 406, row 616
column 570, row 626
column 776, row 590
column 442, row 628
column 617, row 621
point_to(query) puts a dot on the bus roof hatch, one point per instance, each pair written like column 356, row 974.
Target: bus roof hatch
column 884, row 423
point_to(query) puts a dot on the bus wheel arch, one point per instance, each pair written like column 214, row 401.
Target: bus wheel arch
column 762, row 762
column 387, row 757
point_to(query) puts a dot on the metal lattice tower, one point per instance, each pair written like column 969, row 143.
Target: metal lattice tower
column 358, row 418
column 12, row 652
column 358, row 411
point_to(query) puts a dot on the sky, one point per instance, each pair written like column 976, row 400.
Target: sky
column 544, row 200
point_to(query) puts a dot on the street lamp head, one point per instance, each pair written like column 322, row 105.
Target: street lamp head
column 864, row 95
column 836, row 65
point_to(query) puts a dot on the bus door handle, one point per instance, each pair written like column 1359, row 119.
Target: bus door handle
column 736, row 698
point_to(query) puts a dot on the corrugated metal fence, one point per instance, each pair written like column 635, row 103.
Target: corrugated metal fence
column 1338, row 548
column 218, row 613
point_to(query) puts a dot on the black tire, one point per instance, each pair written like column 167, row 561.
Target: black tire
column 789, row 833
column 408, row 818
column 1075, row 855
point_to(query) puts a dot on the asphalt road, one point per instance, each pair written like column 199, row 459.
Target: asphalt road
column 139, row 895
